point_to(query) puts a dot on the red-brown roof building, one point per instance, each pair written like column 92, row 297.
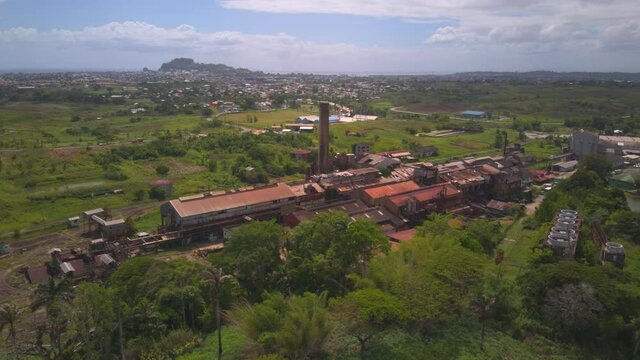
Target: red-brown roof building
column 207, row 209
column 374, row 196
column 414, row 205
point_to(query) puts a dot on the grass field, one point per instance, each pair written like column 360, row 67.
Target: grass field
column 29, row 125
column 547, row 102
column 268, row 118
column 517, row 247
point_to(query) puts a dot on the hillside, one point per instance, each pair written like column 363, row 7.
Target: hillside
column 189, row 64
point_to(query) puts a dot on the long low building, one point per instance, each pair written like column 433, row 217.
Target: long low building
column 414, row 205
column 374, row 196
column 211, row 208
column 355, row 209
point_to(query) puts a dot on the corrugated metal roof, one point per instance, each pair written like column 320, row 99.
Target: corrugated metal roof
column 426, row 194
column 391, row 189
column 209, row 204
column 67, row 267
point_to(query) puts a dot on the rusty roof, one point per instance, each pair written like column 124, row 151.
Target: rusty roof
column 464, row 176
column 403, row 235
column 213, row 203
column 379, row 192
column 37, row 274
column 426, row 194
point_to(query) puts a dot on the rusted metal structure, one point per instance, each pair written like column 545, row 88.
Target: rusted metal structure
column 323, row 139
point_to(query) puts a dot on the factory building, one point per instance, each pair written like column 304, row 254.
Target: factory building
column 415, row 205
column 212, row 208
column 375, row 195
column 584, row 143
column 355, row 209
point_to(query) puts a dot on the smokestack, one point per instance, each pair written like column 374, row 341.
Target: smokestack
column 323, row 150
column 504, row 150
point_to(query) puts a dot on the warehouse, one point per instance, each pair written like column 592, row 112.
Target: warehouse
column 415, row 205
column 374, row 196
column 210, row 208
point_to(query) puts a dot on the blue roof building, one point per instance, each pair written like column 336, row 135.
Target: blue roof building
column 475, row 114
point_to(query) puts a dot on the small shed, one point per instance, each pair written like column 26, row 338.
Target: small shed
column 73, row 222
column 4, row 248
column 426, row 151
column 565, row 166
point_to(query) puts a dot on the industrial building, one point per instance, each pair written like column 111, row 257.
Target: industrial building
column 361, row 148
column 584, row 143
column 415, row 205
column 374, row 196
column 563, row 236
column 211, row 208
column 355, row 209
column 474, row 114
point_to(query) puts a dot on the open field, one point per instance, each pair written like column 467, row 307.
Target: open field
column 549, row 103
column 46, row 185
column 268, row 118
column 29, row 125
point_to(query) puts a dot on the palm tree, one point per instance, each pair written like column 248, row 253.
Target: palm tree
column 214, row 277
column 635, row 327
column 482, row 304
column 9, row 314
column 46, row 294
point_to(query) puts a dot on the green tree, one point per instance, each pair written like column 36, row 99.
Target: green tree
column 598, row 164
column 498, row 142
column 295, row 328
column 138, row 195
column 369, row 312
column 253, row 253
column 45, row 295
column 482, row 304
column 94, row 319
column 9, row 316
column 162, row 170
column 624, row 224
column 323, row 251
column 213, row 276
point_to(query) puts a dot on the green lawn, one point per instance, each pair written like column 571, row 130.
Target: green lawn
column 268, row 118
column 517, row 247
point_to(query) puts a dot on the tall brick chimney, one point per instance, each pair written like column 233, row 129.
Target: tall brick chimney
column 323, row 150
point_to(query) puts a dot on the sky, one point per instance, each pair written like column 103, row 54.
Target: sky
column 323, row 36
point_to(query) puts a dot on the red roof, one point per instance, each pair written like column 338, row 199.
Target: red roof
column 301, row 151
column 364, row 171
column 499, row 205
column 391, row 189
column 37, row 274
column 204, row 204
column 403, row 235
column 161, row 182
column 426, row 194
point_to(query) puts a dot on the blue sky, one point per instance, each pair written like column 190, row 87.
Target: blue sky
column 403, row 36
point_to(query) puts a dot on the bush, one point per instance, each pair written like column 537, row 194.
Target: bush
column 162, row 169
column 115, row 174
column 139, row 195
column 157, row 193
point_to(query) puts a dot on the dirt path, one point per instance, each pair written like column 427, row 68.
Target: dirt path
column 531, row 207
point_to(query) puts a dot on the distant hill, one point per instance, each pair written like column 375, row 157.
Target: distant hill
column 188, row 64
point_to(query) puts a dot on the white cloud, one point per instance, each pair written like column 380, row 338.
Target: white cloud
column 139, row 44
column 533, row 23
